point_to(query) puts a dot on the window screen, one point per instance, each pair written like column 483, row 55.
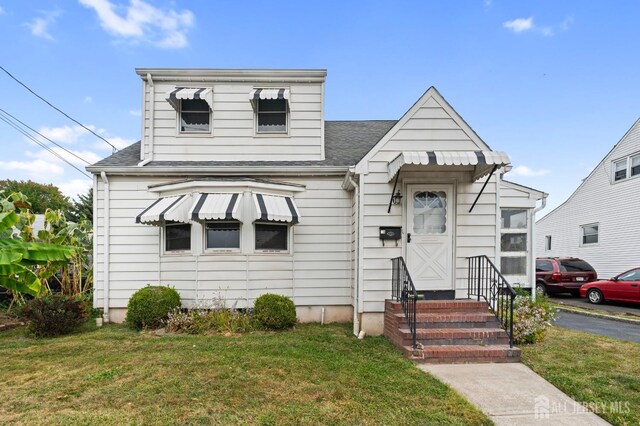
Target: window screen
column 271, row 237
column 513, row 265
column 513, row 242
column 223, row 235
column 620, row 169
column 194, row 115
column 513, row 219
column 177, row 237
column 635, row 165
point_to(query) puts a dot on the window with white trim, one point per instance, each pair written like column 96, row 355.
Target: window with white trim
column 271, row 236
column 222, row 235
column 625, row 168
column 589, row 234
column 547, row 243
column 195, row 116
column 177, row 237
column 513, row 241
column 272, row 116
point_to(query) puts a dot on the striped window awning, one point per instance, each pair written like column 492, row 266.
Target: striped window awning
column 174, row 96
column 174, row 209
column 217, row 207
column 276, row 208
column 270, row 93
column 483, row 161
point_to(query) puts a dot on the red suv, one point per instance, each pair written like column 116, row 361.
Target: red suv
column 562, row 275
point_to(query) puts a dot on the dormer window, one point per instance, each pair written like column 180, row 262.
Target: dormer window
column 271, row 107
column 193, row 106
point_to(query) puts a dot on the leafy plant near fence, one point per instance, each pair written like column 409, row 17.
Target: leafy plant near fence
column 531, row 319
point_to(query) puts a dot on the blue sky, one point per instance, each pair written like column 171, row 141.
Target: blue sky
column 554, row 84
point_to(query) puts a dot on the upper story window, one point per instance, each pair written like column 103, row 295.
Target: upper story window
column 195, row 116
column 271, row 107
column 626, row 167
column 193, row 106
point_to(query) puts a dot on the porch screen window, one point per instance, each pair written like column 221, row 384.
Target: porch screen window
column 223, row 235
column 271, row 236
column 194, row 116
column 589, row 233
column 513, row 242
column 430, row 212
column 177, row 236
column 513, row 265
column 514, row 219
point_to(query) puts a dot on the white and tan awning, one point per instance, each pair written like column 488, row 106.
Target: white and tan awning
column 270, row 93
column 168, row 209
column 174, row 96
column 483, row 161
column 276, row 208
column 216, row 207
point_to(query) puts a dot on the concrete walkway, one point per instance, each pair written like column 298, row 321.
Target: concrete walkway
column 512, row 394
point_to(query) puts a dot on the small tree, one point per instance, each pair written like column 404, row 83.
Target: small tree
column 83, row 208
column 41, row 197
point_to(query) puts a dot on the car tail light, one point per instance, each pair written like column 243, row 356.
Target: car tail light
column 556, row 276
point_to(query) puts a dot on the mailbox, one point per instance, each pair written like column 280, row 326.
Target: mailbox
column 390, row 233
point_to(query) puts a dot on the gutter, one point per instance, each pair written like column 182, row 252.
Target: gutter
column 533, row 239
column 105, row 289
column 206, row 170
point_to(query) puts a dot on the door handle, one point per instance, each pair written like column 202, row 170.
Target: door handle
column 408, row 237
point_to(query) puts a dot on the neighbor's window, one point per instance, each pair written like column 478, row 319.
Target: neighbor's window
column 635, row 165
column 547, row 243
column 513, row 265
column 589, row 233
column 195, row 116
column 272, row 115
column 222, row 235
column 177, row 236
column 620, row 169
column 271, row 236
column 513, row 219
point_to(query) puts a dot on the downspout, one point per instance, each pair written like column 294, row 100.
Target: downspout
column 356, row 318
column 151, row 121
column 533, row 247
column 105, row 306
column 361, row 250
column 95, row 233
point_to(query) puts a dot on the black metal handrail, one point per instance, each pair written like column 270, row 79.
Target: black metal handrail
column 403, row 291
column 485, row 281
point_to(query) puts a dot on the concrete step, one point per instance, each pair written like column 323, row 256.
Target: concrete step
column 456, row 336
column 463, row 354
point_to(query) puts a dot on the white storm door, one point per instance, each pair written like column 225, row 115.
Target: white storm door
column 430, row 236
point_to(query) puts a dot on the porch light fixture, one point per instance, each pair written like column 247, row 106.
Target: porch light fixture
column 396, row 198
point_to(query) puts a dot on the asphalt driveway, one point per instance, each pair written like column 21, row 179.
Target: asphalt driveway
column 613, row 307
column 612, row 328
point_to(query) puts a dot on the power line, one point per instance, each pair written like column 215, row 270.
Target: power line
column 56, row 108
column 43, row 136
column 42, row 145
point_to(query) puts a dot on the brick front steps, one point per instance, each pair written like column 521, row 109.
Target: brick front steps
column 450, row 331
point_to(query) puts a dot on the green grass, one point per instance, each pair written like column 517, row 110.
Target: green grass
column 311, row 375
column 591, row 369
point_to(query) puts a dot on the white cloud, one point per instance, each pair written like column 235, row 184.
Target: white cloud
column 143, row 22
column 73, row 187
column 87, row 99
column 519, row 25
column 1, row 11
column 45, row 155
column 488, row 3
column 36, row 169
column 135, row 112
column 529, row 172
column 39, row 26
column 65, row 134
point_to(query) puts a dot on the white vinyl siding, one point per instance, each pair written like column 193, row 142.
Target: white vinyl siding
column 233, row 134
column 316, row 271
column 599, row 199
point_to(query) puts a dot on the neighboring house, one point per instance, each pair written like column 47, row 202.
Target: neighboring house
column 599, row 221
column 240, row 187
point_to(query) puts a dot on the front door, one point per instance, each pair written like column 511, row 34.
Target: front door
column 430, row 236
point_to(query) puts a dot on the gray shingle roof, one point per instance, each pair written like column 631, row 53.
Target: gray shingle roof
column 346, row 142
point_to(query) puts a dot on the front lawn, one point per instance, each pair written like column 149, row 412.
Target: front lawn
column 593, row 369
column 311, row 375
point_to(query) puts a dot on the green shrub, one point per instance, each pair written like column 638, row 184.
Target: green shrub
column 274, row 312
column 531, row 319
column 202, row 321
column 150, row 306
column 54, row 315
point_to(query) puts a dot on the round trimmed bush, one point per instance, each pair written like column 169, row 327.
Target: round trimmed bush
column 150, row 306
column 274, row 312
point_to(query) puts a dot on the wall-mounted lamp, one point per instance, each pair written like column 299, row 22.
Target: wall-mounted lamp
column 396, row 198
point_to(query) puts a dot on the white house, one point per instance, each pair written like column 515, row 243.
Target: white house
column 240, row 187
column 599, row 221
